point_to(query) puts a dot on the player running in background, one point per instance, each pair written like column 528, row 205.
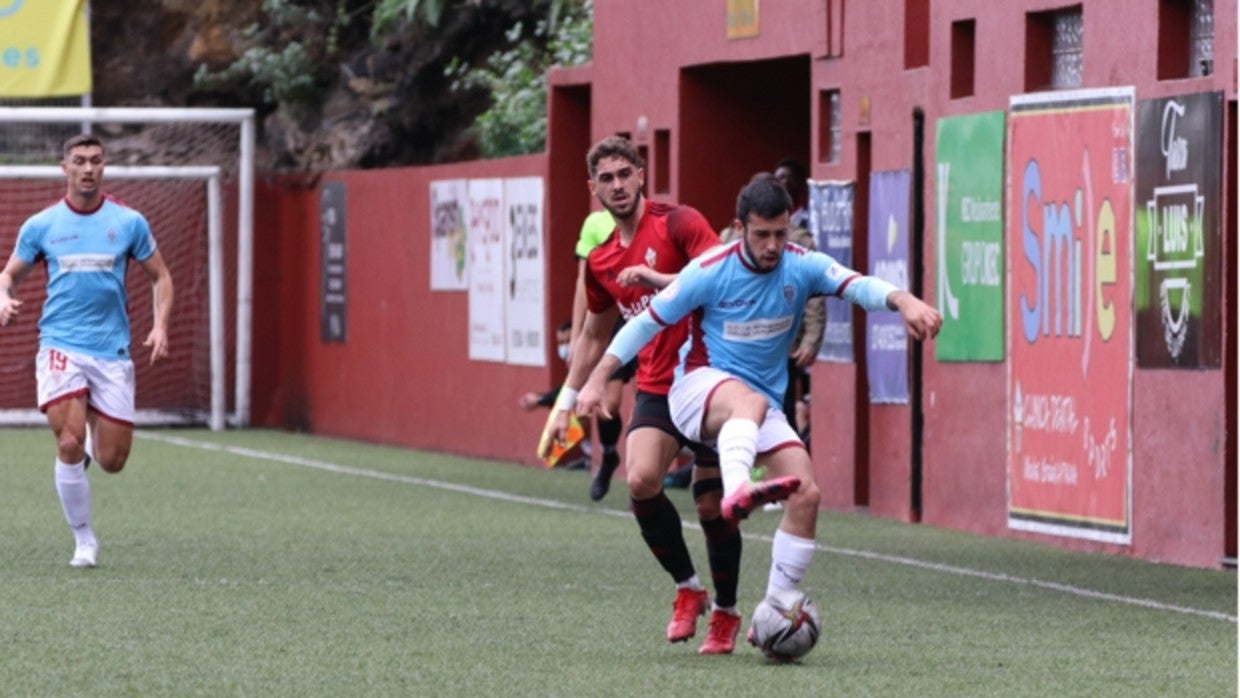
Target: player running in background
column 659, row 239
column 84, row 372
column 746, row 299
column 595, row 230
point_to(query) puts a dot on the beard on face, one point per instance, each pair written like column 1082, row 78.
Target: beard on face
column 628, row 210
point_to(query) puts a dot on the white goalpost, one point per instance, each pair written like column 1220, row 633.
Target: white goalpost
column 184, row 169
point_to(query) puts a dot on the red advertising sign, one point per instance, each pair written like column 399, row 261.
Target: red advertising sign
column 1070, row 234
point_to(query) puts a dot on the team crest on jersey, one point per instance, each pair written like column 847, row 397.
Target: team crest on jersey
column 651, row 257
column 111, row 237
column 789, row 292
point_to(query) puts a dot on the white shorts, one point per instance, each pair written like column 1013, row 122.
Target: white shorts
column 689, row 400
column 107, row 383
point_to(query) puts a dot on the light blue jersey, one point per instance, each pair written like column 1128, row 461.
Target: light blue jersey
column 744, row 319
column 86, row 256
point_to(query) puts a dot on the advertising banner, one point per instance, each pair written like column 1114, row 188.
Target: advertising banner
column 969, row 236
column 886, row 339
column 485, row 247
column 1070, row 232
column 44, row 48
column 523, row 227
column 449, row 267
column 1179, row 253
column 831, row 222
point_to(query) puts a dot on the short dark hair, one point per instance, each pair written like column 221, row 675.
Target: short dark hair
column 794, row 165
column 564, row 326
column 612, row 146
column 80, row 140
column 765, row 196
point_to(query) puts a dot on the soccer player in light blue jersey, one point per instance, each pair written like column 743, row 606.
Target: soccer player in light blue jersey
column 84, row 373
column 745, row 299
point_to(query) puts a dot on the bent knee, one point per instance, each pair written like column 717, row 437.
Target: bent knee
column 642, row 484
column 807, row 495
column 112, row 466
column 708, row 508
column 112, row 461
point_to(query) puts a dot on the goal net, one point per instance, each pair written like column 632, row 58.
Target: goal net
column 190, row 172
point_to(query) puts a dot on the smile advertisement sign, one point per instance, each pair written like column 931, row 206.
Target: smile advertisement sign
column 1069, row 234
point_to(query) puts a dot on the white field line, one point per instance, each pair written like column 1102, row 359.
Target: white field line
column 554, row 504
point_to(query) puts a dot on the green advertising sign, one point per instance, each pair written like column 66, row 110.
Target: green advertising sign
column 969, row 234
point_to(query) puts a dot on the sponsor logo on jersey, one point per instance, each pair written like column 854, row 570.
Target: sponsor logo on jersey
column 86, row 262
column 651, row 257
column 631, row 310
column 756, row 330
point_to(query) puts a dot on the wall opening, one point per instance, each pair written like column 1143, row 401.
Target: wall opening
column 717, row 149
column 861, row 388
column 662, row 161
column 964, row 52
column 1185, row 38
column 1054, row 49
column 568, row 141
column 916, row 33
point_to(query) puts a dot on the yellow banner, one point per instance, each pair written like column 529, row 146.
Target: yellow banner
column 44, row 48
column 742, row 19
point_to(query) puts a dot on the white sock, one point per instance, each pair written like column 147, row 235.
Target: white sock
column 726, row 609
column 790, row 558
column 691, row 583
column 74, row 491
column 738, row 446
column 587, row 449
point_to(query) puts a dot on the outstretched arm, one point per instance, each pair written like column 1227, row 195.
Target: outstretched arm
column 635, row 334
column 922, row 320
column 872, row 293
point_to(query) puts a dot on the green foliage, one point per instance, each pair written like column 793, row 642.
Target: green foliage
column 293, row 58
column 389, row 14
column 289, row 58
column 516, row 123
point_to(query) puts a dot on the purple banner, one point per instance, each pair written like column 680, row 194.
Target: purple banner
column 831, row 222
column 886, row 340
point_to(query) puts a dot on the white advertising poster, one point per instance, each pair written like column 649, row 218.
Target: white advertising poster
column 485, row 250
column 449, row 270
column 523, row 227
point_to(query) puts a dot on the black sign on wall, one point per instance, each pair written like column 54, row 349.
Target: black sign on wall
column 332, row 281
column 1179, row 265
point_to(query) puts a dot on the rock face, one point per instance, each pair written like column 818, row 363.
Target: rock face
column 379, row 106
